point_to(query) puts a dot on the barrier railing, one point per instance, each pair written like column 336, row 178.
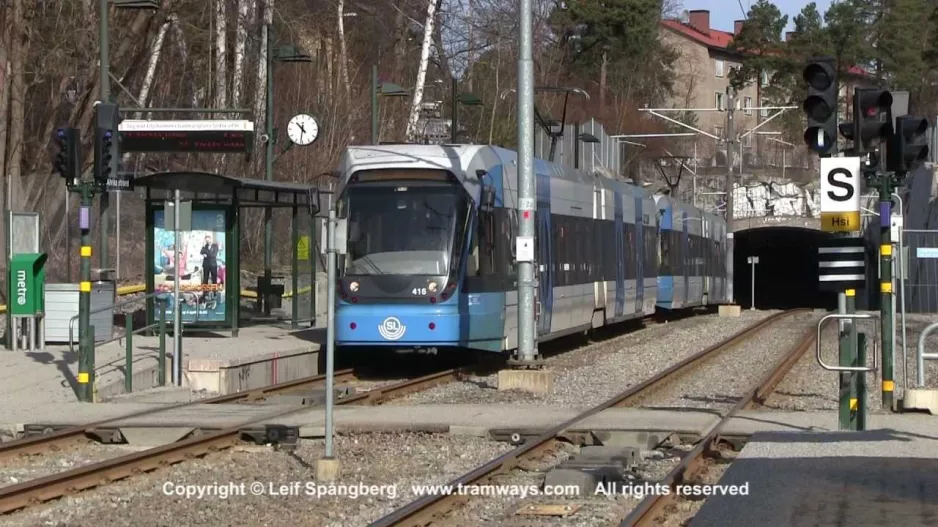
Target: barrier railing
column 856, row 316
column 128, row 334
column 921, row 355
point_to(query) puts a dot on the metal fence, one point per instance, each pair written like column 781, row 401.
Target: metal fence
column 603, row 156
column 921, row 270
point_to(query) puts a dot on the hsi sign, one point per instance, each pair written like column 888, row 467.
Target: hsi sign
column 840, row 194
column 21, row 287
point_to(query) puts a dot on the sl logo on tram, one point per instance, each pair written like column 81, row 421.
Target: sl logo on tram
column 391, row 328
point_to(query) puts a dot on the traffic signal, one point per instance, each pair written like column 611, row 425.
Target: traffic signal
column 909, row 145
column 106, row 151
column 821, row 105
column 67, row 160
column 869, row 128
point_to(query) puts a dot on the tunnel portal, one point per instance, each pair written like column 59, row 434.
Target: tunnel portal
column 787, row 272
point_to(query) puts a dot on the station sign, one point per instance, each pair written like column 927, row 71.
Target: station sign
column 840, row 194
column 121, row 182
column 198, row 136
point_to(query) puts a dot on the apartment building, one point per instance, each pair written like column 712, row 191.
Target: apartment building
column 703, row 67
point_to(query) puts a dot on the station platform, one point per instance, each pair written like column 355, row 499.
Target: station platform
column 32, row 382
column 884, row 476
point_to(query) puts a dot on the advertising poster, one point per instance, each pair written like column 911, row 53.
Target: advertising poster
column 202, row 269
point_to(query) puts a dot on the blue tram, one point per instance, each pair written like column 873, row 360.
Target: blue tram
column 430, row 259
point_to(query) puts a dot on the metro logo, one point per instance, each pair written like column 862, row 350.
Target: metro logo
column 21, row 287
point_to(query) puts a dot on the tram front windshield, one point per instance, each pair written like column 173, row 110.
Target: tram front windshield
column 402, row 229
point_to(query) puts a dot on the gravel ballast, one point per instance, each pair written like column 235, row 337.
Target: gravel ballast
column 591, row 374
column 720, row 381
column 810, row 388
column 390, row 459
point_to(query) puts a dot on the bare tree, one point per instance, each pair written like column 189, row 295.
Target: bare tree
column 221, row 55
column 422, row 70
column 343, row 50
column 241, row 36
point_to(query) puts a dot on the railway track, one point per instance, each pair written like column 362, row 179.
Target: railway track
column 430, row 508
column 653, row 510
column 66, row 436
column 21, row 495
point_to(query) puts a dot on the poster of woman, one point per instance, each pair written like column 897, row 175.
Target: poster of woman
column 201, row 266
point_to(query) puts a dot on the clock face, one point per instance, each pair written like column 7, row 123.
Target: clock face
column 303, row 129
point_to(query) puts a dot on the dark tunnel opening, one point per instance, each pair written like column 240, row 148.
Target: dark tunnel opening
column 787, row 272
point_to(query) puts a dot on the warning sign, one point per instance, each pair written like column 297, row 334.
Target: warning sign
column 302, row 248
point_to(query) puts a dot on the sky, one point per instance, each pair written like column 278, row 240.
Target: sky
column 724, row 12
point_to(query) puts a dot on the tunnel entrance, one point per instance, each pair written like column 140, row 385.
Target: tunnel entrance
column 787, row 272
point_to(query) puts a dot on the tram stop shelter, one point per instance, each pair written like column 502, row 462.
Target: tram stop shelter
column 211, row 294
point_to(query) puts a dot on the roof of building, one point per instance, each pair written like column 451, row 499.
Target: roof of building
column 721, row 40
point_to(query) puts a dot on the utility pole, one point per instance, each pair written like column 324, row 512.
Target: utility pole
column 527, row 347
column 268, row 170
column 730, row 182
column 105, row 90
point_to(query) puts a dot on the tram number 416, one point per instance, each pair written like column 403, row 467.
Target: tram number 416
column 419, row 291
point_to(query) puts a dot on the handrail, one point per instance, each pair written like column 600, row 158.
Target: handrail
column 921, row 355
column 856, row 316
column 71, row 321
column 134, row 332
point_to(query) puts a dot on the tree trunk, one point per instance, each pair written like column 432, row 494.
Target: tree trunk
column 17, row 100
column 156, row 49
column 343, row 52
column 260, row 90
column 221, row 55
column 241, row 35
column 438, row 44
column 330, row 62
column 6, row 34
column 421, row 71
column 470, row 22
column 603, row 74
column 498, row 67
column 180, row 39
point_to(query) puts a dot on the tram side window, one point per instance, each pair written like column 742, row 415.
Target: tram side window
column 486, row 243
column 664, row 267
column 609, row 250
column 560, row 250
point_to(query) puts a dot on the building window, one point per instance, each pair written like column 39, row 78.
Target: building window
column 748, row 141
column 747, row 107
column 718, row 131
column 719, row 67
column 719, row 101
column 765, row 78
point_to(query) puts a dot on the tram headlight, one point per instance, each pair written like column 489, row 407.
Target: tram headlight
column 353, row 286
column 431, row 287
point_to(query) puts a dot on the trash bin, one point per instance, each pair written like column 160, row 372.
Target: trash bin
column 27, row 303
column 26, row 280
column 275, row 296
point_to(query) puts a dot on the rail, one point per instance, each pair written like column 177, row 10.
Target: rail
column 420, row 511
column 817, row 344
column 129, row 332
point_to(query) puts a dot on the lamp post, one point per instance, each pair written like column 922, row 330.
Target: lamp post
column 104, row 60
column 467, row 99
column 387, row 89
column 286, row 53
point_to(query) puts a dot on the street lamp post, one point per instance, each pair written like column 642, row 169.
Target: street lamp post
column 387, row 89
column 286, row 53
